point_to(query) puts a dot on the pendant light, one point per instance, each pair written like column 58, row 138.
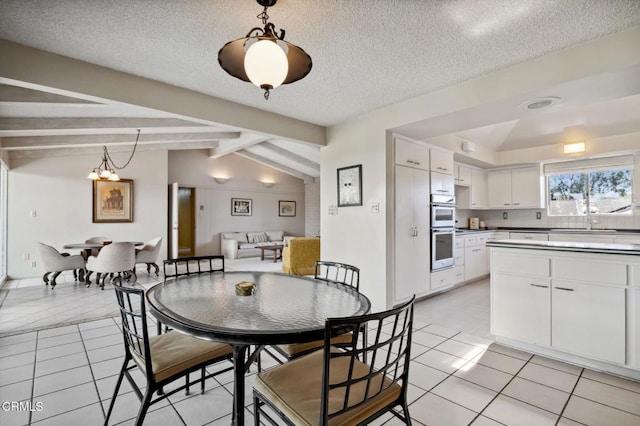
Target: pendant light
column 107, row 168
column 263, row 57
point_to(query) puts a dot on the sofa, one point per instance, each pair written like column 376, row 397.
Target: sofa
column 237, row 245
column 300, row 255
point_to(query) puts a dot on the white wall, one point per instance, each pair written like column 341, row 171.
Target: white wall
column 57, row 190
column 312, row 209
column 194, row 168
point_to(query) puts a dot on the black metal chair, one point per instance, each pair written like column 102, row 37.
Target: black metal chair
column 162, row 358
column 332, row 272
column 333, row 386
column 173, row 268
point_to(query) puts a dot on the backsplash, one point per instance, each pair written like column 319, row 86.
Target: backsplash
column 527, row 219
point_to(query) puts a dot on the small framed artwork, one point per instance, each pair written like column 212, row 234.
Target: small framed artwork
column 286, row 208
column 241, row 207
column 350, row 186
column 112, row 201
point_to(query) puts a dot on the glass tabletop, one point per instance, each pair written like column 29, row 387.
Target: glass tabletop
column 283, row 308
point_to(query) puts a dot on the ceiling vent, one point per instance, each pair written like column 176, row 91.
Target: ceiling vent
column 541, row 103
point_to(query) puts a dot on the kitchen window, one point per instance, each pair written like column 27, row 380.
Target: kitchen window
column 590, row 187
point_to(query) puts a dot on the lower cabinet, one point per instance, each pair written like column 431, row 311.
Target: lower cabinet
column 589, row 320
column 584, row 304
column 475, row 262
column 442, row 279
column 521, row 308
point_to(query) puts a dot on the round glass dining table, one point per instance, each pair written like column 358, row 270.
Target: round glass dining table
column 282, row 309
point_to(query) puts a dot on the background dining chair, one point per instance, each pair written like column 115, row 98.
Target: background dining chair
column 115, row 260
column 162, row 358
column 96, row 240
column 333, row 386
column 149, row 254
column 55, row 263
column 332, row 272
column 173, row 268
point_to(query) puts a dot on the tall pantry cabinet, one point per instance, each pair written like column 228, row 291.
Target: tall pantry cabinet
column 412, row 227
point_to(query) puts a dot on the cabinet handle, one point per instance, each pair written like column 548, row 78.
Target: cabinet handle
column 564, row 288
column 516, row 204
column 528, row 238
column 539, row 285
column 506, row 204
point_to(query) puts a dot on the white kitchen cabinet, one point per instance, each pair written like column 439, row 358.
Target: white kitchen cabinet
column 476, row 264
column 458, row 274
column 536, row 236
column 634, row 317
column 521, row 307
column 441, row 280
column 517, row 188
column 461, row 174
column 442, row 161
column 499, row 235
column 411, row 154
column 442, row 184
column 412, row 233
column 585, row 316
column 478, row 189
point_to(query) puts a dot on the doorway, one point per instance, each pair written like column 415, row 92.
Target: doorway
column 182, row 221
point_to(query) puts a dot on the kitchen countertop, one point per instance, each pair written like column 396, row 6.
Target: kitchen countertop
column 551, row 230
column 609, row 248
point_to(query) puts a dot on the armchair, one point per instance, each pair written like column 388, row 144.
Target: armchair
column 56, row 262
column 300, row 256
column 149, row 254
column 113, row 258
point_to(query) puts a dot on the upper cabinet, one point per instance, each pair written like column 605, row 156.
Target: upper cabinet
column 518, row 188
column 411, row 154
column 442, row 161
column 473, row 193
column 461, row 174
column 442, row 184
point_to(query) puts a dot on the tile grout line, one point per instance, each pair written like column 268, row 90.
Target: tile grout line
column 33, row 376
column 502, row 390
column 93, row 377
column 564, row 407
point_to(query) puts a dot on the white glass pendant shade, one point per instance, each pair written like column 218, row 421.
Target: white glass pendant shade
column 113, row 177
column 93, row 175
column 266, row 64
column 105, row 174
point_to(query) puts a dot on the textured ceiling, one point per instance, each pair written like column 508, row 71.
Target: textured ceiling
column 366, row 53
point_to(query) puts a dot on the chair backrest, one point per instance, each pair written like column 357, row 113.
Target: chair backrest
column 388, row 349
column 134, row 326
column 150, row 251
column 49, row 256
column 96, row 240
column 338, row 273
column 115, row 257
column 192, row 265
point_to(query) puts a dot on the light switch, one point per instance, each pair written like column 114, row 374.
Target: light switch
column 375, row 207
column 33, row 213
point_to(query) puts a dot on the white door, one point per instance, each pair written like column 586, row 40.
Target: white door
column 173, row 221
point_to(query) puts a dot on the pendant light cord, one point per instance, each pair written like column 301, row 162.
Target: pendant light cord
column 106, row 152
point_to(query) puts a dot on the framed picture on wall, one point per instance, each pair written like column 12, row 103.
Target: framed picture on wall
column 286, row 208
column 241, row 207
column 350, row 186
column 112, row 201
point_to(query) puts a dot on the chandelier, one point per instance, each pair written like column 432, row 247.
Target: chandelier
column 107, row 168
column 263, row 57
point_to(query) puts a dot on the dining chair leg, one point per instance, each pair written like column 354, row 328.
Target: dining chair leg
column 52, row 281
column 144, row 407
column 256, row 411
column 45, row 278
column 203, row 373
column 115, row 392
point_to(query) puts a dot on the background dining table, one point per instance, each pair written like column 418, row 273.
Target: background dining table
column 282, row 309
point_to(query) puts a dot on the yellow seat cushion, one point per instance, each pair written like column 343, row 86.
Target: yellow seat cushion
column 298, row 348
column 174, row 352
column 295, row 389
column 300, row 256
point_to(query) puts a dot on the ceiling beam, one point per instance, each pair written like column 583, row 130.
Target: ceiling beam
column 291, row 156
column 57, row 123
column 95, row 149
column 10, row 93
column 230, row 146
column 61, row 141
column 262, row 160
column 26, row 64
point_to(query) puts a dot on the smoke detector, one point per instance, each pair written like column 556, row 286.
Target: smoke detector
column 541, row 103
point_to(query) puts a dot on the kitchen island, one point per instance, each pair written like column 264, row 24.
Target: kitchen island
column 578, row 302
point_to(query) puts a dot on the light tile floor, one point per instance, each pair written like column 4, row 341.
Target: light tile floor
column 458, row 375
